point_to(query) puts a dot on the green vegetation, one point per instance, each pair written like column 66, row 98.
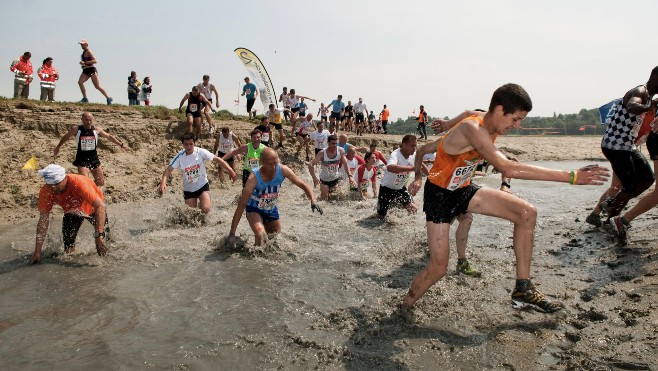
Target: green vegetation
column 559, row 124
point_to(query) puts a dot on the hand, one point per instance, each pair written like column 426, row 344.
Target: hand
column 217, row 105
column 213, row 110
column 233, row 176
column 352, row 182
column 163, row 187
column 315, row 206
column 56, row 151
column 100, row 246
column 414, row 186
column 36, row 257
column 125, row 147
column 592, row 174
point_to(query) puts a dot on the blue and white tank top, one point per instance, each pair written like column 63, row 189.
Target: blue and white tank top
column 264, row 197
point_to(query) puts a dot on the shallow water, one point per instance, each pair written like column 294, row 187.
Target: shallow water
column 320, row 295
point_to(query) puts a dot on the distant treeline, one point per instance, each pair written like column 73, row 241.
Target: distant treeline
column 585, row 122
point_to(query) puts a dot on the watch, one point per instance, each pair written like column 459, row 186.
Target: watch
column 99, row 234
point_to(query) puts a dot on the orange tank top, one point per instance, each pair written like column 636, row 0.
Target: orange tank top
column 455, row 171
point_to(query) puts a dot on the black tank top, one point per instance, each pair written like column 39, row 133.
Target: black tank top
column 87, row 142
column 194, row 103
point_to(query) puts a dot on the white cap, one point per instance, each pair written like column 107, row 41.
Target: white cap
column 52, row 174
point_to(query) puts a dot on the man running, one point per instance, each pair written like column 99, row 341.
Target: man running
column 349, row 116
column 274, row 117
column 265, row 128
column 449, row 193
column 207, row 88
column 422, row 123
column 251, row 153
column 330, row 159
column 353, row 162
column 384, row 117
column 320, row 137
column 337, row 107
column 86, row 155
column 393, row 186
column 191, row 162
column 302, row 135
column 360, row 111
column 283, row 98
column 80, row 198
column 323, row 112
column 251, row 91
column 87, row 62
column 224, row 144
column 260, row 197
column 195, row 102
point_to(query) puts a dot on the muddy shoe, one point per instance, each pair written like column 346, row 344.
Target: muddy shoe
column 620, row 227
column 532, row 298
column 464, row 267
column 594, row 219
column 403, row 313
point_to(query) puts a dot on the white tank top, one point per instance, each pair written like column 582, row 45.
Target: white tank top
column 226, row 144
column 206, row 90
column 329, row 166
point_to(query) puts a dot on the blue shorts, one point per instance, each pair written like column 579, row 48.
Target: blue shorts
column 268, row 216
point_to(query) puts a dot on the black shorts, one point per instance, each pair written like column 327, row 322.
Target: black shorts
column 652, row 146
column 250, row 104
column 196, row 114
column 245, row 176
column 301, row 135
column 89, row 71
column 631, row 168
column 331, row 183
column 71, row 225
column 389, row 197
column 197, row 193
column 229, row 161
column 442, row 206
column 323, row 118
column 360, row 118
column 295, row 110
column 335, row 115
column 89, row 162
column 277, row 126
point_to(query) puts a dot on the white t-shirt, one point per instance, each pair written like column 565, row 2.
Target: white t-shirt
column 360, row 108
column 304, row 126
column 320, row 140
column 397, row 180
column 192, row 168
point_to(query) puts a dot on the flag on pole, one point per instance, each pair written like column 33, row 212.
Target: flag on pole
column 31, row 164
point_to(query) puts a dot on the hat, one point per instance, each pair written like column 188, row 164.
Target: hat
column 83, row 41
column 52, row 174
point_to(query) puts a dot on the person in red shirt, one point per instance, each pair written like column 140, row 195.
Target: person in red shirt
column 367, row 173
column 48, row 74
column 22, row 69
column 80, row 198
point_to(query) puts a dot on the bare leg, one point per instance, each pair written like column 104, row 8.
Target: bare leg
column 97, row 85
column 190, row 119
column 205, row 204
column 81, row 83
column 324, row 192
column 461, row 234
column 256, row 224
column 99, row 178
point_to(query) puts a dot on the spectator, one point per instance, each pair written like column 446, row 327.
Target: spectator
column 48, row 74
column 145, row 91
column 133, row 89
column 22, row 69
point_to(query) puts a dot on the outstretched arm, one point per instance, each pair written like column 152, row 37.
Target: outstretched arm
column 238, row 151
column 226, row 166
column 42, row 229
column 69, row 134
column 163, row 182
column 186, row 97
column 103, row 134
column 430, row 147
column 296, row 180
column 440, row 125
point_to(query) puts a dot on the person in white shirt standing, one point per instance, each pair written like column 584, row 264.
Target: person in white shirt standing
column 207, row 88
column 191, row 162
column 361, row 110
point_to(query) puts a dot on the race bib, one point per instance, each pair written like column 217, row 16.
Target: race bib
column 248, row 91
column 87, row 143
column 363, row 185
column 460, row 176
column 332, row 168
column 192, row 174
column 268, row 201
column 253, row 163
column 400, row 180
column 265, row 137
column 319, row 143
column 226, row 147
column 193, row 107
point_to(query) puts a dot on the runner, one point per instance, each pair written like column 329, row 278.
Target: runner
column 380, row 160
column 449, row 193
column 191, row 162
column 251, row 152
column 372, row 119
column 274, row 118
column 224, row 144
column 353, row 162
column 293, row 100
column 283, row 98
column 323, row 112
column 80, row 198
column 366, row 175
column 87, row 63
column 265, row 128
column 393, row 186
column 302, row 107
column 360, row 111
column 207, row 88
column 349, row 117
column 195, row 101
column 251, row 91
column 260, row 197
column 330, row 159
column 422, row 123
column 337, row 110
column 86, row 156
column 320, row 137
column 302, row 135
column 384, row 117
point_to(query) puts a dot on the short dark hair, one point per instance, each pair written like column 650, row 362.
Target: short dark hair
column 512, row 98
column 47, row 60
column 373, row 144
column 407, row 138
column 187, row 136
column 206, row 77
column 255, row 131
column 332, row 137
column 27, row 55
column 225, row 129
column 368, row 155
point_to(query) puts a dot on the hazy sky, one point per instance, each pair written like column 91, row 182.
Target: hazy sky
column 446, row 55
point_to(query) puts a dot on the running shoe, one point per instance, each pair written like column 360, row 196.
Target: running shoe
column 464, row 267
column 109, row 101
column 594, row 219
column 532, row 298
column 84, row 100
column 620, row 227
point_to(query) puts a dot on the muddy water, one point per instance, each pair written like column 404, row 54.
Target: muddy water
column 321, row 294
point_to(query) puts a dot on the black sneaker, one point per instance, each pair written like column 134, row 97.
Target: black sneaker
column 594, row 219
column 532, row 298
column 620, row 227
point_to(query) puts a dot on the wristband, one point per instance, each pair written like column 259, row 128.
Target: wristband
column 505, row 184
column 572, row 178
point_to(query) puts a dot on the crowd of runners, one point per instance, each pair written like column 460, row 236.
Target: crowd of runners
column 445, row 165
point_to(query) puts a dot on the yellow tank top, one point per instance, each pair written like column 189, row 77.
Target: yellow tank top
column 455, row 171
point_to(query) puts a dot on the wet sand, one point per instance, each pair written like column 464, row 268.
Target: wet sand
column 323, row 294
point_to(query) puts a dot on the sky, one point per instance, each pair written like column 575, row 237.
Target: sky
column 447, row 56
